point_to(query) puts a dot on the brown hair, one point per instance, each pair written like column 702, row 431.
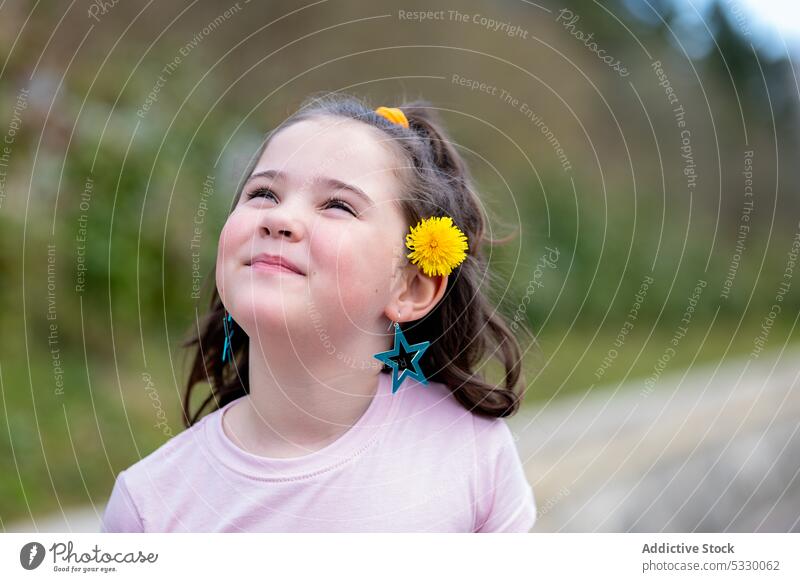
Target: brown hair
column 463, row 328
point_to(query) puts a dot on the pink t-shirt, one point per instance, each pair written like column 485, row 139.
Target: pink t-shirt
column 416, row 461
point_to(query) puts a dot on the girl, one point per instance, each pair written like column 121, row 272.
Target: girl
column 313, row 431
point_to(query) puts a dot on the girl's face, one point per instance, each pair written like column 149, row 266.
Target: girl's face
column 324, row 197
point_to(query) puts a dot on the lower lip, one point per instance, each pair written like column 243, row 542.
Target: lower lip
column 271, row 268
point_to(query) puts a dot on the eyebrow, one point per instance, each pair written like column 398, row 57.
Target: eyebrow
column 330, row 182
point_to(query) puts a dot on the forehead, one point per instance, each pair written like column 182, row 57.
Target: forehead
column 343, row 149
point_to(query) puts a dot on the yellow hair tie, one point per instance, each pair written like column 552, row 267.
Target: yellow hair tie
column 438, row 245
column 393, row 114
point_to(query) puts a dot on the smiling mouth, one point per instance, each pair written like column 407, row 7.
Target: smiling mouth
column 271, row 268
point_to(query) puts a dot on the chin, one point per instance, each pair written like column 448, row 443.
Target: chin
column 265, row 315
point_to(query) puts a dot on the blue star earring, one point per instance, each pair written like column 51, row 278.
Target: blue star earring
column 227, row 324
column 402, row 358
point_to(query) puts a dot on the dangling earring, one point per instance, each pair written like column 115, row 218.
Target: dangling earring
column 403, row 357
column 437, row 246
column 227, row 324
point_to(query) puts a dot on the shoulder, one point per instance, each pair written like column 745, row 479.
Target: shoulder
column 161, row 466
column 429, row 417
column 432, row 409
column 434, row 404
column 506, row 501
column 493, row 435
column 143, row 490
column 437, row 429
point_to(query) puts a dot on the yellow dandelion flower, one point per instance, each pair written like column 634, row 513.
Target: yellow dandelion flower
column 437, row 245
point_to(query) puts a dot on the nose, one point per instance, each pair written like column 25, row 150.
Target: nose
column 281, row 222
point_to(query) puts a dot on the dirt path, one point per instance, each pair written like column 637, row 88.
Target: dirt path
column 713, row 449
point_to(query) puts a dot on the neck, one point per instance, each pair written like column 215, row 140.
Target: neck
column 299, row 405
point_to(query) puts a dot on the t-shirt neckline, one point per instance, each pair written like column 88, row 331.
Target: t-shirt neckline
column 349, row 445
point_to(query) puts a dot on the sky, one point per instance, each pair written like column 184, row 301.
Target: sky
column 773, row 26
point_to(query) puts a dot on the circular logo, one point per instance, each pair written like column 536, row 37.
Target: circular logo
column 31, row 555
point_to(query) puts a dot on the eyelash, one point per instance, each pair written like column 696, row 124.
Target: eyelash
column 258, row 192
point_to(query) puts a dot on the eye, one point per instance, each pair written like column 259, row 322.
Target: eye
column 334, row 202
column 261, row 191
column 339, row 203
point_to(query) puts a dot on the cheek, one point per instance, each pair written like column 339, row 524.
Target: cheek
column 357, row 270
column 235, row 232
column 225, row 246
column 228, row 250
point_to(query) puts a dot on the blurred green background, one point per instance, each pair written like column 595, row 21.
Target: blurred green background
column 99, row 196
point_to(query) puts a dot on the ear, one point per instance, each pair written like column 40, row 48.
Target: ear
column 416, row 295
